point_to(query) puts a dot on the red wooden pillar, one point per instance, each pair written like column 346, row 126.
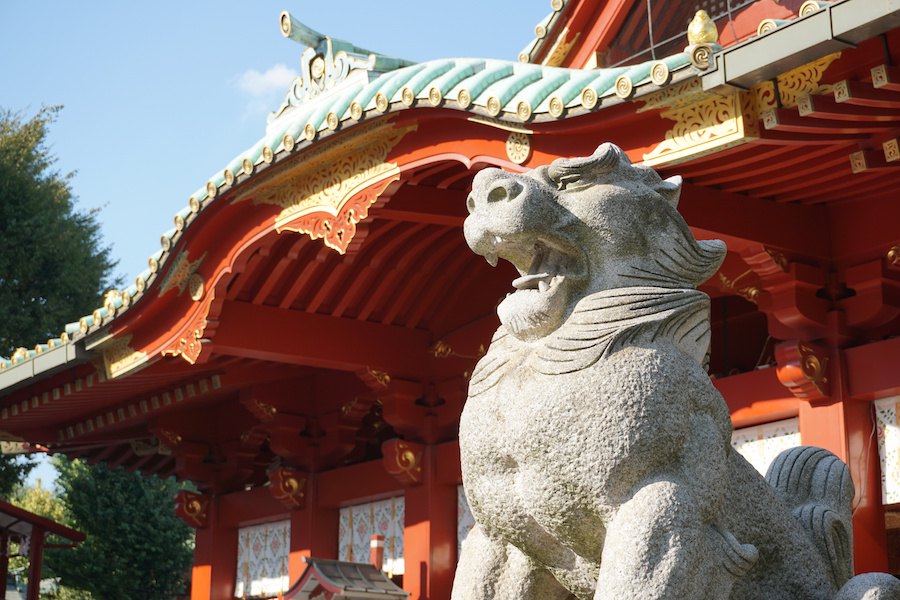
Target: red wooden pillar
column 845, row 426
column 429, row 534
column 35, row 562
column 314, row 531
column 215, row 558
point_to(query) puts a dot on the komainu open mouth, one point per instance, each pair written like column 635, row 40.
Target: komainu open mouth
column 542, row 265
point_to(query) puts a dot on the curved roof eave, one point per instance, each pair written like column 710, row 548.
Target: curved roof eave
column 512, row 92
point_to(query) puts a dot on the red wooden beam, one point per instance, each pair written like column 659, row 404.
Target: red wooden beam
column 789, row 227
column 298, row 338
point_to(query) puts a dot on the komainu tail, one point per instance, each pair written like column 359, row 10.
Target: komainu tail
column 816, row 485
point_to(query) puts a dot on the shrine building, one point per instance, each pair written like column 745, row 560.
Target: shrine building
column 300, row 345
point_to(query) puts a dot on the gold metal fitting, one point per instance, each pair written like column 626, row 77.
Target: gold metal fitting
column 229, row 177
column 247, row 166
column 523, row 111
column 556, row 107
column 381, row 102
column 267, row 154
column 179, row 222
column 211, row 189
column 332, row 121
column 435, row 96
column 309, row 132
column 660, row 74
column 589, row 98
column 493, row 106
column 356, row 110
column 287, row 142
column 407, row 96
column 463, row 98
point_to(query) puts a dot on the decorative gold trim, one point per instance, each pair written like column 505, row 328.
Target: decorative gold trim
column 435, row 96
column 660, row 74
column 561, row 48
column 893, row 256
column 310, row 132
column 879, row 76
column 675, row 96
column 194, row 204
column 120, row 358
column 267, row 154
column 195, row 286
column 556, row 107
column 523, row 111
column 493, row 106
column 463, row 98
column 707, row 125
column 407, row 96
column 313, row 201
column 794, row 84
column 858, row 162
column 287, row 142
column 891, row 150
column 356, row 110
column 181, row 271
column 211, row 189
column 701, row 56
column 589, row 98
column 702, row 29
column 381, row 102
column 247, row 166
column 624, row 87
column 518, row 147
column 229, row 177
column 332, row 121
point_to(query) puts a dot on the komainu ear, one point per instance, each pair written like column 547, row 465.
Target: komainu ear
column 604, row 160
column 670, row 190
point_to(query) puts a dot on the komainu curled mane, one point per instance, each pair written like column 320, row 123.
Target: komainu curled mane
column 596, row 454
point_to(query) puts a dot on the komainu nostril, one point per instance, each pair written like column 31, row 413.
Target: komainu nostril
column 470, row 203
column 505, row 190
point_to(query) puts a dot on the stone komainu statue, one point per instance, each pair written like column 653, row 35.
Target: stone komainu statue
column 596, row 454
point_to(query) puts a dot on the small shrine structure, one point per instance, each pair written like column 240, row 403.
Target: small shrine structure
column 300, row 345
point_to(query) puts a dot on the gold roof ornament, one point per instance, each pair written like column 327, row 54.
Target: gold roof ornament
column 702, row 40
column 702, row 29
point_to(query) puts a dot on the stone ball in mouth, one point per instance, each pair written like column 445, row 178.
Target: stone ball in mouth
column 539, row 303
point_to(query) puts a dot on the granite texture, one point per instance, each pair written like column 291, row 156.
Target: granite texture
column 596, row 453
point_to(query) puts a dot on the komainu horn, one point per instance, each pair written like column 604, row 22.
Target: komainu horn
column 596, row 453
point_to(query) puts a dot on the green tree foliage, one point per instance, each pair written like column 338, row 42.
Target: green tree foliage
column 136, row 547
column 53, row 266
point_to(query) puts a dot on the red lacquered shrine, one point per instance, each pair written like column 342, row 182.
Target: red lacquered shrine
column 300, row 345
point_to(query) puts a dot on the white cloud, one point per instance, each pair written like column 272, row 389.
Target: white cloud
column 276, row 79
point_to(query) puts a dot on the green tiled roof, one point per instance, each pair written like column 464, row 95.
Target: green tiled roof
column 542, row 31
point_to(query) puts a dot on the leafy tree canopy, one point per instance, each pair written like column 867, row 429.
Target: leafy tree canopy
column 53, row 266
column 135, row 548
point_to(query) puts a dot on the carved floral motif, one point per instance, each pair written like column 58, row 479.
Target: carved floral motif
column 288, row 486
column 119, row 357
column 803, row 369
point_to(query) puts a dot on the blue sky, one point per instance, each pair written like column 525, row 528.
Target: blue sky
column 159, row 96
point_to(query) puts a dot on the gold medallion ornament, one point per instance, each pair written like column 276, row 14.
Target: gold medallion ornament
column 463, row 98
column 589, row 98
column 287, row 142
column 435, row 96
column 493, row 106
column 381, row 102
column 211, row 189
column 701, row 56
column 407, row 96
column 624, row 87
column 356, row 110
column 194, row 204
column 523, row 111
column 309, row 132
column 332, row 121
column 660, row 74
column 247, row 166
column 228, row 176
column 556, row 107
column 179, row 222
column 518, row 147
column 195, row 286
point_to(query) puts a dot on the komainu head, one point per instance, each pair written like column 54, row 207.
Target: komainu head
column 580, row 226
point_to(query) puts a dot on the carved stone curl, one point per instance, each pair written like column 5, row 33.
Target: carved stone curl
column 596, row 454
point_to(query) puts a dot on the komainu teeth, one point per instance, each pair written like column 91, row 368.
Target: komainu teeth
column 543, row 286
column 491, row 258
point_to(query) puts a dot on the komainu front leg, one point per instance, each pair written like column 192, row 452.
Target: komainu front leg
column 658, row 547
column 491, row 569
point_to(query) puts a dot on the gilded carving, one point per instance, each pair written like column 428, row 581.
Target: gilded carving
column 192, row 508
column 748, row 292
column 794, row 84
column 803, row 369
column 710, row 124
column 180, row 273
column 893, row 256
column 288, row 486
column 403, row 460
column 335, row 187
column 119, row 357
column 561, row 48
column 675, row 96
column 891, row 150
column 518, row 147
